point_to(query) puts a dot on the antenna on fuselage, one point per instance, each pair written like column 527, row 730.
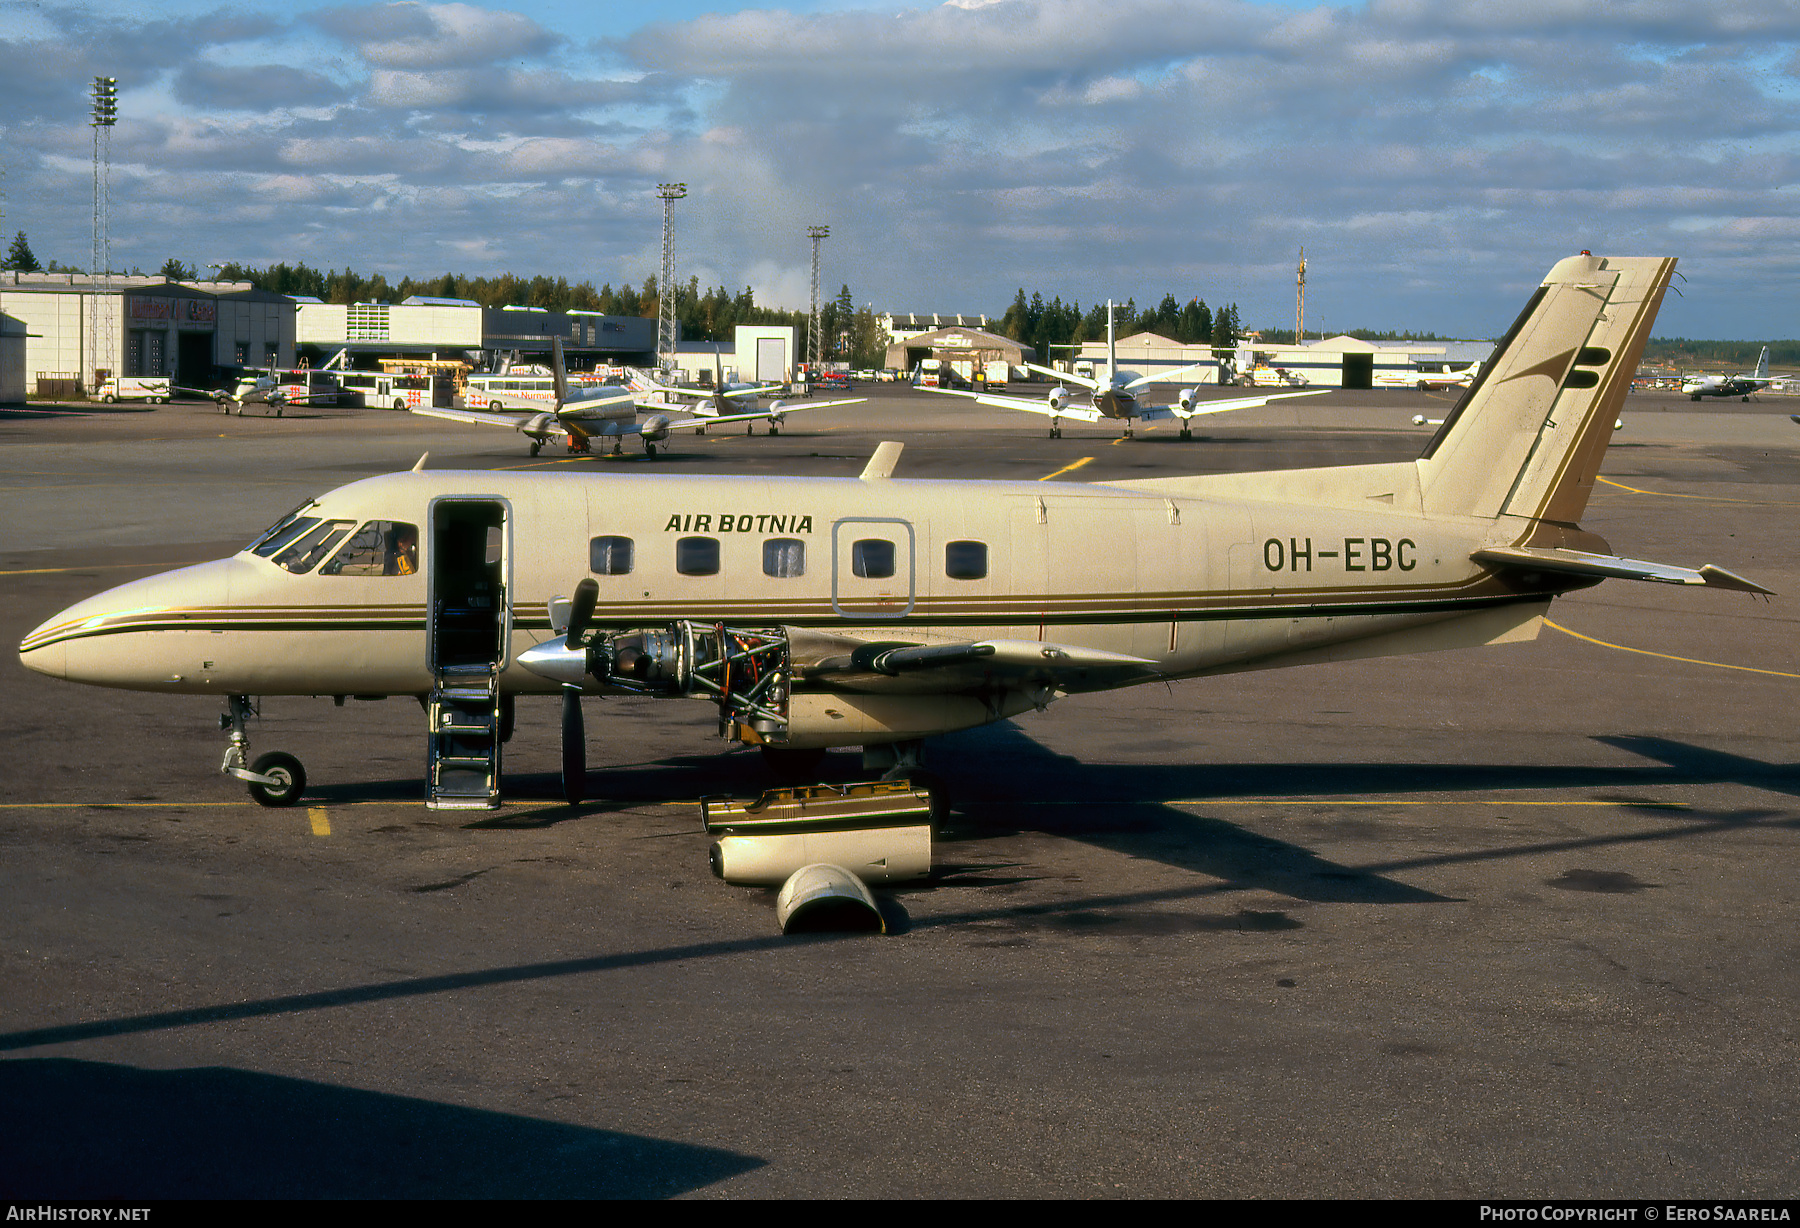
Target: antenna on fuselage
column 420, row 467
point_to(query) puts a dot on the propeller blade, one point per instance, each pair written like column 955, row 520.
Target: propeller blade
column 581, row 609
column 574, row 747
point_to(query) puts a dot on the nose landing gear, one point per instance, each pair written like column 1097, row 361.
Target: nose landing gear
column 276, row 778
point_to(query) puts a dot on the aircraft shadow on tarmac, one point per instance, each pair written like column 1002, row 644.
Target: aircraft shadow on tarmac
column 84, row 1130
column 1002, row 781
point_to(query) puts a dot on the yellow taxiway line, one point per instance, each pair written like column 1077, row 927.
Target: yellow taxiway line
column 1067, row 469
column 1644, row 652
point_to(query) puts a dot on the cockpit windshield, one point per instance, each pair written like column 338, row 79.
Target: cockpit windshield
column 282, row 531
column 304, row 551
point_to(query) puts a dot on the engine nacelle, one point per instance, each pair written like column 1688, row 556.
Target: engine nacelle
column 1058, row 398
column 545, row 425
column 656, row 427
column 1188, row 397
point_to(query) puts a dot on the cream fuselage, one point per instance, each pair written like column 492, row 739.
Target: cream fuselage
column 1189, row 574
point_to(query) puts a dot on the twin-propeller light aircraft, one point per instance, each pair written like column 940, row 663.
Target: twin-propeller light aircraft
column 1731, row 385
column 1114, row 393
column 579, row 415
column 877, row 611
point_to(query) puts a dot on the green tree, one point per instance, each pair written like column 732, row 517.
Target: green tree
column 19, row 256
column 174, row 270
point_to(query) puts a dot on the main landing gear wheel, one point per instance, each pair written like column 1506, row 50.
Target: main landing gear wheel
column 535, row 447
column 286, row 771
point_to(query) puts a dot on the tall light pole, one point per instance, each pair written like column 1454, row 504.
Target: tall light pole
column 815, row 344
column 666, row 333
column 105, row 113
column 1300, row 301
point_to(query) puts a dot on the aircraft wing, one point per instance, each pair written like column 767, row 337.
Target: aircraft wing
column 1065, row 376
column 1163, row 413
column 1031, row 666
column 1031, row 405
column 1581, row 563
column 780, row 407
column 473, row 416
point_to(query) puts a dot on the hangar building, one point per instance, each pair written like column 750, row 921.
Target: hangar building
column 80, row 333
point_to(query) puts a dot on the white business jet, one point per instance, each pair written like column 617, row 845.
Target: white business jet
column 806, row 613
column 1114, row 394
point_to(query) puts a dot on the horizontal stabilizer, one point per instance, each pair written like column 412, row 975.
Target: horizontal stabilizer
column 1581, row 563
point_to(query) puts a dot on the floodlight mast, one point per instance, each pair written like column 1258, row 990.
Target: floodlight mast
column 1300, row 301
column 103, row 115
column 815, row 349
column 667, row 331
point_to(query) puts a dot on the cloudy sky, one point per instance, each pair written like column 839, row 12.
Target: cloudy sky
column 1433, row 156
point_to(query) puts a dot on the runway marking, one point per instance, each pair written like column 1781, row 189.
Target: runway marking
column 1067, row 469
column 1667, row 494
column 321, row 825
column 1644, row 652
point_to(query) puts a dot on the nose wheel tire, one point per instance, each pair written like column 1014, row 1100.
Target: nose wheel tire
column 286, row 771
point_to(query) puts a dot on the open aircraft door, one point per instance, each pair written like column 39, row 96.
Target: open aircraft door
column 468, row 577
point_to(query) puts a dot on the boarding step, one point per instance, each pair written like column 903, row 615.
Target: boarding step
column 463, row 772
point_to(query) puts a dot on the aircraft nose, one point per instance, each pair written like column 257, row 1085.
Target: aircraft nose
column 112, row 639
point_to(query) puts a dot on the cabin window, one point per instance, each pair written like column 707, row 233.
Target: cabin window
column 872, row 558
column 784, row 557
column 609, row 556
column 307, row 549
column 379, row 548
column 965, row 560
column 697, row 556
column 285, row 530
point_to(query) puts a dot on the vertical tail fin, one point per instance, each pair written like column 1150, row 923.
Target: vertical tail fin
column 1762, row 364
column 560, row 372
column 1528, row 437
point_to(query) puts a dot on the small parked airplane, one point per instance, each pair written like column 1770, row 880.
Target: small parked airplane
column 1730, row 385
column 876, row 612
column 579, row 415
column 1114, row 394
column 723, row 402
column 266, row 388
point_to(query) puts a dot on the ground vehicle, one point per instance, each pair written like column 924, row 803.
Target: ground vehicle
column 152, row 388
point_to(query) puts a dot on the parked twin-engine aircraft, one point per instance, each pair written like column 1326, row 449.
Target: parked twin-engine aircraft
column 1115, row 395
column 580, row 415
column 266, row 388
column 723, row 402
column 1730, row 385
column 875, row 611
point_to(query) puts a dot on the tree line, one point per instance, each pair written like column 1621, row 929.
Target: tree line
column 1055, row 325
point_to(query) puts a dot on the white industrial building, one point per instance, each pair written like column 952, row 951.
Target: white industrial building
column 449, row 328
column 757, row 353
column 12, row 360
column 81, row 331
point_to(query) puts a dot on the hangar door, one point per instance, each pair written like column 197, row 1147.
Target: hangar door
column 771, row 360
column 1359, row 370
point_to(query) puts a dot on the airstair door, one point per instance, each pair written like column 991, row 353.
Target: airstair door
column 468, row 570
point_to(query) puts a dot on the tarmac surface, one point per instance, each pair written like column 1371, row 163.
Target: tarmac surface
column 1510, row 922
